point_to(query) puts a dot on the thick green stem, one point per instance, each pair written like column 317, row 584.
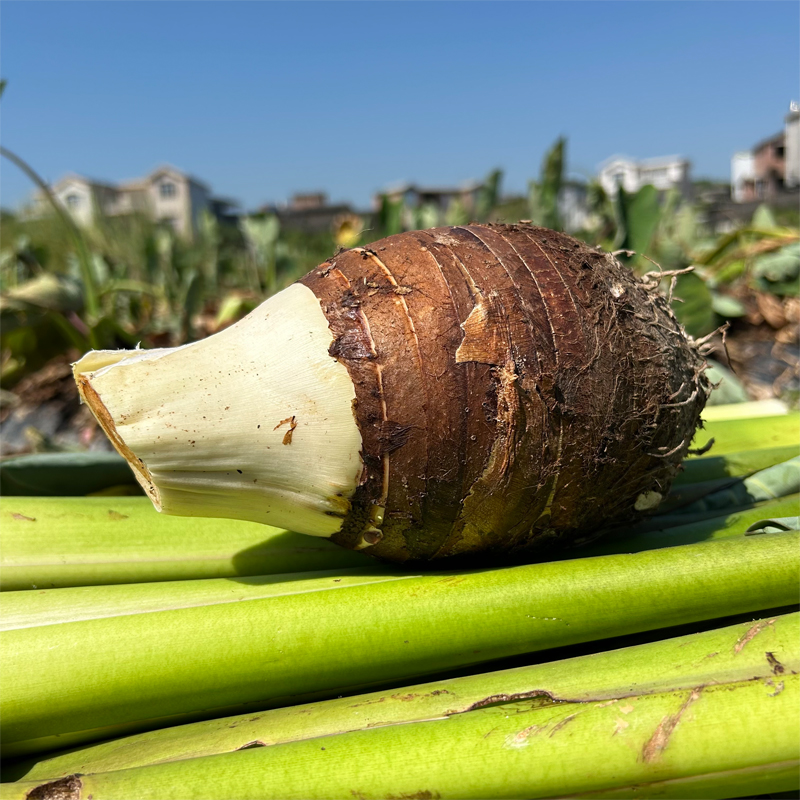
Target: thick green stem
column 51, row 542
column 733, row 465
column 734, row 435
column 721, row 527
column 732, row 654
column 665, row 744
column 114, row 671
column 102, row 541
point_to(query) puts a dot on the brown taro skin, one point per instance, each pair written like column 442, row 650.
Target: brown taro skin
column 514, row 388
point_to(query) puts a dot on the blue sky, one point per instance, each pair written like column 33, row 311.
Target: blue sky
column 262, row 99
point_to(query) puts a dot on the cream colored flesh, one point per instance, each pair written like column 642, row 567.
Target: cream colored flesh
column 206, row 425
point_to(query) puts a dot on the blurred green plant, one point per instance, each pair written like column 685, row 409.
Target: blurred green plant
column 543, row 194
column 637, row 216
column 488, row 196
column 261, row 236
column 129, row 279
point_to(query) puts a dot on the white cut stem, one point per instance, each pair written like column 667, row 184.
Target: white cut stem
column 256, row 422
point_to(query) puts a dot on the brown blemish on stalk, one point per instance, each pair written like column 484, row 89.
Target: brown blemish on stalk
column 659, row 741
column 68, row 788
column 500, row 699
column 520, row 739
column 115, row 515
column 251, row 745
column 23, row 518
column 620, row 726
column 422, row 794
column 775, row 665
column 292, row 423
column 779, row 687
column 559, row 725
column 751, row 634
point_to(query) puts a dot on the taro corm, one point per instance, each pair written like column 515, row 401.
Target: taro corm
column 482, row 388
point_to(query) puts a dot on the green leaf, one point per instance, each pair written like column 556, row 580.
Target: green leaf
column 733, row 464
column 673, row 530
column 426, row 216
column 233, row 307
column 488, row 195
column 390, row 215
column 729, row 388
column 727, row 307
column 456, row 213
column 48, row 290
column 768, row 484
column 543, row 196
column 779, row 272
column 638, row 216
column 696, row 312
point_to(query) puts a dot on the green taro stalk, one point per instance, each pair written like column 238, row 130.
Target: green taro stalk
column 57, row 542
column 210, row 648
column 734, row 435
column 52, row 542
column 711, row 741
column 728, row 655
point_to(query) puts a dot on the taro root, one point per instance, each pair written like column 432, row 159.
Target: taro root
column 481, row 388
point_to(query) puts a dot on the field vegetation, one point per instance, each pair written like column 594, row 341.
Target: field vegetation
column 128, row 280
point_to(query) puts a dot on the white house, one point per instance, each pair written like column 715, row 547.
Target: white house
column 792, row 129
column 165, row 195
column 668, row 172
column 743, row 176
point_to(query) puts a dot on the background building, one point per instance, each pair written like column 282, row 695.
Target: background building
column 165, row 195
column 771, row 168
column 309, row 212
column 668, row 172
column 439, row 197
column 792, row 152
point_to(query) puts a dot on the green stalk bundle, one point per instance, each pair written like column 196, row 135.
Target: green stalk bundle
column 748, row 409
column 51, row 542
column 777, row 481
column 733, row 733
column 719, row 527
column 784, row 506
column 735, row 435
column 731, row 655
column 59, row 542
column 198, row 653
column 733, row 465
